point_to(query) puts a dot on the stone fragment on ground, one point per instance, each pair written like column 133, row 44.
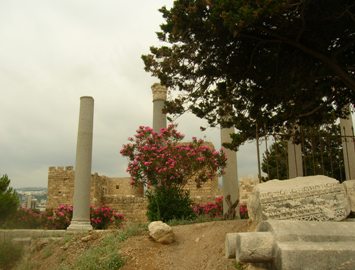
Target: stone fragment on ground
column 350, row 191
column 161, row 232
column 293, row 245
column 312, row 198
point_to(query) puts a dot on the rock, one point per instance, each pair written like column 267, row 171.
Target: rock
column 90, row 237
column 161, row 232
column 317, row 198
column 293, row 245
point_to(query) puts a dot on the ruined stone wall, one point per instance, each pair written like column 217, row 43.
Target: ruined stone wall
column 60, row 186
column 116, row 192
column 246, row 186
column 121, row 186
column 207, row 189
column 133, row 208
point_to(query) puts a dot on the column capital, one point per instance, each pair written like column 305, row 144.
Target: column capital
column 159, row 92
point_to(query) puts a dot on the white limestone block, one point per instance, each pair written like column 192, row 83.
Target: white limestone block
column 350, row 191
column 318, row 198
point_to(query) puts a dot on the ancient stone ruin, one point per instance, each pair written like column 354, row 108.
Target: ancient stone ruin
column 318, row 198
column 291, row 245
column 298, row 226
column 116, row 192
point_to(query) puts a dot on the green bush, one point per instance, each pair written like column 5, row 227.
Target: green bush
column 25, row 218
column 8, row 199
column 10, row 254
column 167, row 203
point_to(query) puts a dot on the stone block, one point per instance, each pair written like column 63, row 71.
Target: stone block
column 315, row 255
column 254, row 248
column 350, row 191
column 318, row 198
column 230, row 245
column 298, row 245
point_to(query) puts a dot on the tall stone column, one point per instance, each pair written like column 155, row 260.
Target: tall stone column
column 295, row 165
column 159, row 97
column 81, row 202
column 230, row 178
column 348, row 143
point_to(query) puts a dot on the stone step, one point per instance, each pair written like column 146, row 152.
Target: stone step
column 315, row 256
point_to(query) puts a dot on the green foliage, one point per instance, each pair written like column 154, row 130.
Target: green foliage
column 167, row 203
column 25, row 218
column 10, row 254
column 8, row 199
column 259, row 64
column 240, row 266
column 321, row 153
column 198, row 219
column 275, row 161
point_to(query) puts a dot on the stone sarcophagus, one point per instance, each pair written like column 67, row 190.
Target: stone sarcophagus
column 312, row 198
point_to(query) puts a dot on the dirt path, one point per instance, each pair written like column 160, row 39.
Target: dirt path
column 197, row 247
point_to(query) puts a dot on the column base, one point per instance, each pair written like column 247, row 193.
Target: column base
column 80, row 226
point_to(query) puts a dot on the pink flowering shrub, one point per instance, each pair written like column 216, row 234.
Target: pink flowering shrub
column 243, row 211
column 211, row 209
column 159, row 159
column 102, row 217
column 215, row 209
column 25, row 218
column 61, row 217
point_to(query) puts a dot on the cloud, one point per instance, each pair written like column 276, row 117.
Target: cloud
column 53, row 52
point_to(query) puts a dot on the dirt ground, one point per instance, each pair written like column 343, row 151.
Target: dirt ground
column 198, row 246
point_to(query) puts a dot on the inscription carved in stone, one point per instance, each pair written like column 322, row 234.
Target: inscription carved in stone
column 317, row 198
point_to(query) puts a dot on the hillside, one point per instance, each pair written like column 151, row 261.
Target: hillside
column 198, row 246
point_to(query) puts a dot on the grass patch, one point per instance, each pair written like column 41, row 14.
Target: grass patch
column 105, row 255
column 239, row 266
column 10, row 254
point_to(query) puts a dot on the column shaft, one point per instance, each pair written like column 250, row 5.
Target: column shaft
column 230, row 178
column 348, row 143
column 159, row 98
column 81, row 202
column 295, row 166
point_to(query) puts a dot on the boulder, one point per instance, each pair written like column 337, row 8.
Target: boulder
column 161, row 232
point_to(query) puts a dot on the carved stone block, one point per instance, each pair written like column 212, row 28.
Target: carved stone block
column 350, row 191
column 312, row 198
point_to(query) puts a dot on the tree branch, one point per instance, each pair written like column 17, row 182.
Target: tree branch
column 330, row 62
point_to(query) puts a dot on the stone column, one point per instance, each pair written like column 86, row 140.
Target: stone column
column 230, row 178
column 81, row 201
column 348, row 143
column 159, row 97
column 295, row 165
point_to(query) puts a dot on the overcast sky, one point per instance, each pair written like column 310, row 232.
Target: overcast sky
column 54, row 51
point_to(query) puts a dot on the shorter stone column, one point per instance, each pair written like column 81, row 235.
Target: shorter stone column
column 230, row 178
column 159, row 97
column 81, row 202
column 295, row 166
column 348, row 143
